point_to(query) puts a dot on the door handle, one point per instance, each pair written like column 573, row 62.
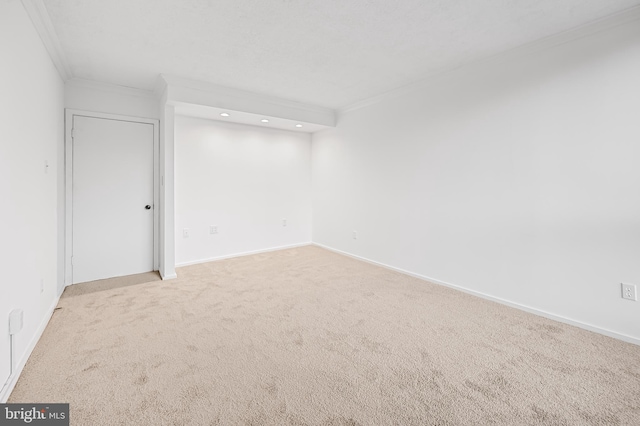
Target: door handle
column 148, row 207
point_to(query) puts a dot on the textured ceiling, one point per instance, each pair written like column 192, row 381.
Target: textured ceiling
column 327, row 53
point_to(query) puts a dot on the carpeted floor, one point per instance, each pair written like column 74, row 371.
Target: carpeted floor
column 309, row 337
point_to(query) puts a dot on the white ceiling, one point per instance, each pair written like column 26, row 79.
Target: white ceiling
column 329, row 53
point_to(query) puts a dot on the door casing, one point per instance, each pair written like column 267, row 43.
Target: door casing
column 68, row 181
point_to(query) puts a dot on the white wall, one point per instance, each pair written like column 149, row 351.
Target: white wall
column 31, row 126
column 244, row 180
column 519, row 180
column 110, row 99
column 166, row 228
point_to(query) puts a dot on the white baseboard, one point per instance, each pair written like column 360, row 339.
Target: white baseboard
column 246, row 253
column 13, row 379
column 168, row 276
column 526, row 308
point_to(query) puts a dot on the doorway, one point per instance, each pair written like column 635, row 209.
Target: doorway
column 112, row 196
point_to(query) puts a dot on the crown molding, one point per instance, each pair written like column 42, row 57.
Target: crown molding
column 110, row 88
column 609, row 22
column 160, row 88
column 39, row 15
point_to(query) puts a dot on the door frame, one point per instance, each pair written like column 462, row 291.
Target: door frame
column 68, row 181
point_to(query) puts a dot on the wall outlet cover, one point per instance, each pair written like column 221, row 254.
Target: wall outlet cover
column 629, row 292
column 16, row 320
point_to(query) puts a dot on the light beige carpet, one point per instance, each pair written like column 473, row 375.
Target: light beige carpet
column 309, row 337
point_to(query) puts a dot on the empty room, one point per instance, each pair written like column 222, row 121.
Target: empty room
column 305, row 212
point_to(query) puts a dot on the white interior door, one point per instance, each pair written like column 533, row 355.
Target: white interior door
column 112, row 204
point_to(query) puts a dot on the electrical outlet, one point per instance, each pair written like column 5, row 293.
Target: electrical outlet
column 284, row 222
column 355, row 235
column 213, row 229
column 16, row 321
column 185, row 233
column 629, row 292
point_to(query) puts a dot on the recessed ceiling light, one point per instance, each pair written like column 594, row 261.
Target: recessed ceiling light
column 264, row 120
column 298, row 125
column 224, row 114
